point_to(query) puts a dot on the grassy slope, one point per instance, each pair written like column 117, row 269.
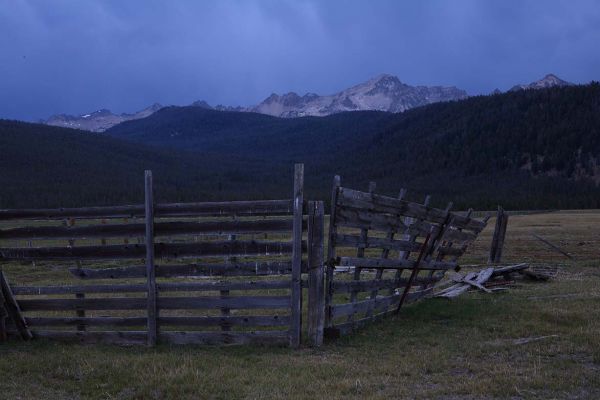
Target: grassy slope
column 436, row 349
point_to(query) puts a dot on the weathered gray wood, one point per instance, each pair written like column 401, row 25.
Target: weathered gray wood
column 385, row 204
column 365, row 219
column 224, row 338
column 162, row 250
column 360, row 252
column 162, row 287
column 296, row 293
column 152, row 311
column 160, row 229
column 226, row 208
column 231, row 269
column 381, row 303
column 232, row 302
column 140, row 303
column 74, row 289
column 246, row 208
column 331, row 253
column 105, row 337
column 205, row 321
column 228, row 320
column 377, row 284
column 376, row 263
column 316, row 274
column 3, row 317
column 498, row 237
column 14, row 308
column 108, row 303
column 362, row 242
column 86, row 321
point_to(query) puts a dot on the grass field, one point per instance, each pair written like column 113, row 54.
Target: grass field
column 461, row 349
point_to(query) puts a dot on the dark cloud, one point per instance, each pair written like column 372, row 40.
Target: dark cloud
column 75, row 56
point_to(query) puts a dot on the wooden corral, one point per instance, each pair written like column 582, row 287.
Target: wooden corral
column 185, row 273
column 380, row 237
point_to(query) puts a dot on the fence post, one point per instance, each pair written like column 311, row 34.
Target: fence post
column 150, row 267
column 296, row 324
column 498, row 238
column 316, row 271
column 12, row 306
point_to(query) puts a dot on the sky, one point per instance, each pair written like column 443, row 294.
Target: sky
column 77, row 56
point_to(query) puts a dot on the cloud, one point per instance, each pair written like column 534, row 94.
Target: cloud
column 77, row 56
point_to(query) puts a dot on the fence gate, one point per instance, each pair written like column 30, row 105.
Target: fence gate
column 373, row 239
column 210, row 273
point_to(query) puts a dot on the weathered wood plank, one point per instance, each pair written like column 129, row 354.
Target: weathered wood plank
column 297, row 247
column 229, row 320
column 13, row 308
column 162, row 250
column 112, row 303
column 171, row 303
column 106, row 337
column 331, row 253
column 237, row 302
column 377, row 284
column 256, row 268
column 224, row 338
column 86, row 321
column 151, row 308
column 344, row 240
column 394, row 264
column 380, row 203
column 316, row 271
column 160, row 229
column 246, row 208
column 381, row 303
column 74, row 289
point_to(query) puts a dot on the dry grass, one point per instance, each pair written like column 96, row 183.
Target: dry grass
column 463, row 349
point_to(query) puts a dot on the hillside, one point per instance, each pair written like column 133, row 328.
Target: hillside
column 521, row 149
column 525, row 149
column 44, row 166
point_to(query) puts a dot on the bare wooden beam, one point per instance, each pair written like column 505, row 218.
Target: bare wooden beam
column 150, row 266
column 296, row 293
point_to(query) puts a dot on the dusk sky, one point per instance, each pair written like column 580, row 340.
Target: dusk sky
column 76, row 56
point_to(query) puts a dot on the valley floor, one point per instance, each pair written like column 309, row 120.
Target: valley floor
column 460, row 349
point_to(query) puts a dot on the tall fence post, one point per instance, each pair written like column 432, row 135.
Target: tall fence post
column 316, row 273
column 498, row 238
column 295, row 328
column 331, row 257
column 150, row 267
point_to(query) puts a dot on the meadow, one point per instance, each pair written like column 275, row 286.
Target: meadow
column 468, row 348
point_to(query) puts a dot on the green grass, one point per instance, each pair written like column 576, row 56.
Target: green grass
column 461, row 349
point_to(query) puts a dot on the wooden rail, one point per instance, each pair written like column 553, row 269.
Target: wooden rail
column 254, row 308
column 390, row 236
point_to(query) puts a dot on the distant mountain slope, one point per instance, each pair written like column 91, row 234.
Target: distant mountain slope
column 524, row 149
column 44, row 166
column 98, row 121
column 547, row 81
column 382, row 93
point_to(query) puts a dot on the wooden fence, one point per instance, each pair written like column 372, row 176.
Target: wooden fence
column 379, row 237
column 234, row 271
column 225, row 272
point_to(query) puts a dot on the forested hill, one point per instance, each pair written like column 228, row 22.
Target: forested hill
column 524, row 149
column 45, row 166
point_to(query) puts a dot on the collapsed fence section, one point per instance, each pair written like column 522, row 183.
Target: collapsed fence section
column 209, row 273
column 378, row 238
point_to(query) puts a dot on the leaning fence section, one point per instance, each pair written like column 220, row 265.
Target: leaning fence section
column 384, row 252
column 206, row 273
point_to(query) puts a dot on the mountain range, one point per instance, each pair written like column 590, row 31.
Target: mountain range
column 98, row 121
column 382, row 93
column 524, row 149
